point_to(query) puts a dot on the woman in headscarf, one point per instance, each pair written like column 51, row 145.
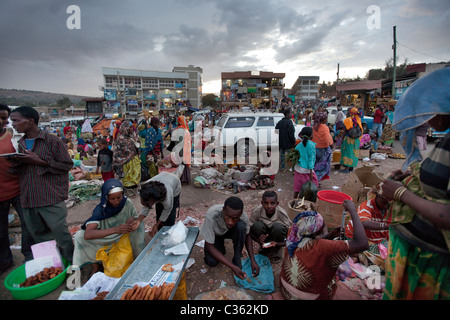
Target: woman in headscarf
column 418, row 262
column 126, row 162
column 154, row 140
column 113, row 217
column 388, row 135
column 116, row 130
column 181, row 137
column 351, row 143
column 311, row 260
column 324, row 141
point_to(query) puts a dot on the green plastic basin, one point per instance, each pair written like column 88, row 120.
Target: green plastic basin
column 17, row 276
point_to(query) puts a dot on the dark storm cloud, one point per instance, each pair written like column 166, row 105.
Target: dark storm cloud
column 216, row 35
column 34, row 30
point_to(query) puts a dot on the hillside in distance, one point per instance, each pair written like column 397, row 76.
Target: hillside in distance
column 17, row 97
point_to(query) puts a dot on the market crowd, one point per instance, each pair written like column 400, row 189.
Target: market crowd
column 403, row 226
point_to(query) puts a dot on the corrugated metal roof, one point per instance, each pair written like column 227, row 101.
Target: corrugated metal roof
column 365, row 85
column 250, row 74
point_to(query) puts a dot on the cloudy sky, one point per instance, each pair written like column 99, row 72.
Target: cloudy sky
column 308, row 37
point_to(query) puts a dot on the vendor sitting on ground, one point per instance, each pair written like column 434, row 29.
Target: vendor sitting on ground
column 269, row 224
column 114, row 216
column 163, row 191
column 311, row 260
column 228, row 221
column 372, row 214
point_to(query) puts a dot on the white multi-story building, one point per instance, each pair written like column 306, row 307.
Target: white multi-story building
column 306, row 88
column 131, row 91
column 194, row 88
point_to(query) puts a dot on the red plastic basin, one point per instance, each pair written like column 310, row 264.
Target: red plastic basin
column 333, row 196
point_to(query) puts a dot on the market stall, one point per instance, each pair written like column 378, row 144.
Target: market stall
column 149, row 267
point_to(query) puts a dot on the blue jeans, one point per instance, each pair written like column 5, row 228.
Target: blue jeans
column 6, row 257
column 378, row 128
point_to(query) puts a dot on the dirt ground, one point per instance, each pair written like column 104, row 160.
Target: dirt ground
column 195, row 202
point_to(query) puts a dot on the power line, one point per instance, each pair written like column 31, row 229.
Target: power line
column 420, row 52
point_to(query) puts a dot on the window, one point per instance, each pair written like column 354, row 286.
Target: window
column 265, row 122
column 150, row 83
column 167, row 83
column 133, row 83
column 222, row 121
column 240, row 122
column 111, row 82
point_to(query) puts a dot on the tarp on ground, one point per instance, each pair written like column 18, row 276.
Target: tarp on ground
column 102, row 126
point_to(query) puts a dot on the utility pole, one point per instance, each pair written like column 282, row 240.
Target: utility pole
column 337, row 73
column 337, row 80
column 394, row 47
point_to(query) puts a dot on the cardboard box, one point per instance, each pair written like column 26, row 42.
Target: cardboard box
column 360, row 182
column 331, row 213
column 364, row 153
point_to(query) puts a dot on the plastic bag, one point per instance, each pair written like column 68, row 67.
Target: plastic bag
column 175, row 235
column 355, row 132
column 309, row 191
column 116, row 257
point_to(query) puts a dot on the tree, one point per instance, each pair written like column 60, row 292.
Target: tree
column 64, row 102
column 211, row 100
column 388, row 71
column 327, row 90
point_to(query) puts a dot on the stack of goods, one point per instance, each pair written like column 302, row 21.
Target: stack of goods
column 149, row 293
column 41, row 277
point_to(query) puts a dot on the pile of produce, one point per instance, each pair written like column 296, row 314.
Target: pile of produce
column 41, row 277
column 292, row 157
column 149, row 293
column 397, row 156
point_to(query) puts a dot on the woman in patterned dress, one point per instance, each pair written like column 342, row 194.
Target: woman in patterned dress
column 126, row 162
column 350, row 146
column 311, row 260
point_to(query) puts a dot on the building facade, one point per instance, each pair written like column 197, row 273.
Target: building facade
column 132, row 91
column 255, row 88
column 194, row 87
column 306, row 88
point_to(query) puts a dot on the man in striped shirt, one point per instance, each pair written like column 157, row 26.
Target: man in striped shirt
column 44, row 180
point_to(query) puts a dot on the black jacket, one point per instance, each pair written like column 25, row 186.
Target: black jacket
column 286, row 133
